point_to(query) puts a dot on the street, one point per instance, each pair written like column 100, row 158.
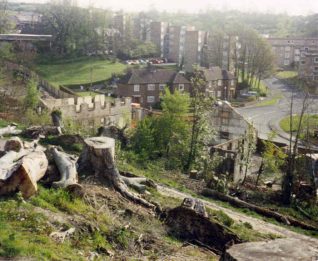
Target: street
column 267, row 118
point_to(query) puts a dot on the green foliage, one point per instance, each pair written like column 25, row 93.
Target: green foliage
column 143, row 141
column 167, row 134
column 273, row 157
column 33, row 118
column 32, row 97
column 308, row 121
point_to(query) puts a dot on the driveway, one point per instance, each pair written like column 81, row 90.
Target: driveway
column 267, row 118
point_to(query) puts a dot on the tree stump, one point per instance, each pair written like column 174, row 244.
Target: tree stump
column 99, row 155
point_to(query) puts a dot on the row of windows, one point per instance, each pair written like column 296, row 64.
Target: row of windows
column 152, row 87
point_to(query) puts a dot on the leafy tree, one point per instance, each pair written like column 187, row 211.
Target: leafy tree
column 31, row 99
column 143, row 141
column 172, row 127
column 201, row 133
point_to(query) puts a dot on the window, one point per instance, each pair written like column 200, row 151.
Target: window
column 316, row 68
column 286, row 62
column 219, row 82
column 219, row 94
column 287, row 55
column 232, row 82
column 151, row 87
column 150, row 99
column 297, row 58
column 136, row 88
column 316, row 59
column 161, row 87
column 224, row 135
column 303, row 62
column 181, row 87
column 287, row 48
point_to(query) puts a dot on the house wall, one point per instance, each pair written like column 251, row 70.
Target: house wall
column 227, row 122
column 227, row 91
column 127, row 90
column 288, row 51
column 92, row 111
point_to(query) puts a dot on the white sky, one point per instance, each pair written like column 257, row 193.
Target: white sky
column 293, row 7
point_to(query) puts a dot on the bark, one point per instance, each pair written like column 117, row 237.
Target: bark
column 23, row 174
column 263, row 211
column 98, row 156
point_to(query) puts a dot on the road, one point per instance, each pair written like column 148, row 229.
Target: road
column 267, row 118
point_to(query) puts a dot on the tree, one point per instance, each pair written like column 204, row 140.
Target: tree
column 172, row 127
column 288, row 179
column 201, row 133
column 31, row 99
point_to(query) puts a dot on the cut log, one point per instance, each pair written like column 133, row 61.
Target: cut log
column 9, row 130
column 24, row 174
column 263, row 211
column 98, row 155
column 66, row 165
column 14, row 144
column 36, row 131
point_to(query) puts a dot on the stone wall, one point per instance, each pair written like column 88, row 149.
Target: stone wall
column 92, row 111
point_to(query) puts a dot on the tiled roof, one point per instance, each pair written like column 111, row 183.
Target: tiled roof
column 216, row 73
column 145, row 76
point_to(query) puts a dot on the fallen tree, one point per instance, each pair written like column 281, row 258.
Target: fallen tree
column 263, row 211
column 10, row 130
column 98, row 156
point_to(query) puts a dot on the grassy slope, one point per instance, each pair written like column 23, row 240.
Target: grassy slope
column 79, row 71
column 269, row 102
column 311, row 120
column 286, row 74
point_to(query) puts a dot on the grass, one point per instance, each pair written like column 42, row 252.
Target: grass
column 157, row 173
column 79, row 71
column 25, row 232
column 269, row 102
column 308, row 120
column 286, row 75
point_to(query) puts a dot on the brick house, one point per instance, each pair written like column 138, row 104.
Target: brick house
column 146, row 85
column 221, row 84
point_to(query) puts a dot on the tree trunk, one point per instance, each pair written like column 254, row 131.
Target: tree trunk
column 98, row 156
column 10, row 130
column 263, row 211
column 22, row 175
column 66, row 165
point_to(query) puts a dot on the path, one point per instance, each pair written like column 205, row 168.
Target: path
column 258, row 224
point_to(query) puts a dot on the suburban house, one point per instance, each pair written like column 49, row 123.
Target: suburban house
column 221, row 84
column 146, row 85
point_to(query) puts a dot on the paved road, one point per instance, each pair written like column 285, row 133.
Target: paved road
column 267, row 118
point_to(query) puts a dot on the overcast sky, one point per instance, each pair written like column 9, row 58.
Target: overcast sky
column 293, row 7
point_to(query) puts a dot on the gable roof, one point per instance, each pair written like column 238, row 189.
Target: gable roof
column 216, row 73
column 146, row 76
